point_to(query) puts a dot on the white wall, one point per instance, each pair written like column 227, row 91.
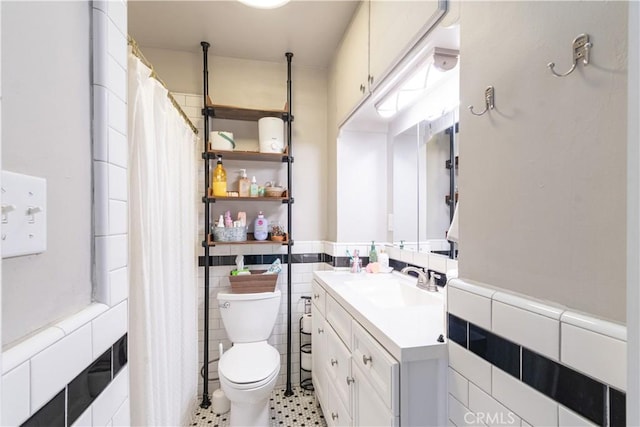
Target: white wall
column 41, row 366
column 257, row 84
column 47, row 133
column 543, row 176
column 362, row 186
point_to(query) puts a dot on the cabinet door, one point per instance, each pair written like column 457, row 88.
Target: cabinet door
column 339, row 367
column 352, row 64
column 395, row 27
column 368, row 409
column 336, row 414
column 318, row 352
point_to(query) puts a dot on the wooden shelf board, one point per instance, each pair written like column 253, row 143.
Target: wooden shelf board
column 247, row 155
column 250, row 241
column 239, row 113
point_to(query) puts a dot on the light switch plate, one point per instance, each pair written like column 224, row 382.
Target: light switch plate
column 23, row 226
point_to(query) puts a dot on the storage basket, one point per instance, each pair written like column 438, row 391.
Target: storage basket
column 253, row 283
column 229, row 234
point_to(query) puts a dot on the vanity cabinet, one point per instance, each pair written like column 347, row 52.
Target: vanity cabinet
column 356, row 378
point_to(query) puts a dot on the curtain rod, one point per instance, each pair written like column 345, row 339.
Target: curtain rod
column 138, row 53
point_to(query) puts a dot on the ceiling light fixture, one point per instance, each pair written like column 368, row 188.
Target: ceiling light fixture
column 418, row 77
column 264, row 4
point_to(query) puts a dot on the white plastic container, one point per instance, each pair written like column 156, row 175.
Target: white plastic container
column 261, row 227
column 271, row 135
column 222, row 140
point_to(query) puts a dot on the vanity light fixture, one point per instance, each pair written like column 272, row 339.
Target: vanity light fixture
column 418, row 77
column 264, row 4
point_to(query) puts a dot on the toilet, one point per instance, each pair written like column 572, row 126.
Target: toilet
column 249, row 370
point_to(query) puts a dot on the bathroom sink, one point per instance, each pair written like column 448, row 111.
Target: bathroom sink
column 392, row 293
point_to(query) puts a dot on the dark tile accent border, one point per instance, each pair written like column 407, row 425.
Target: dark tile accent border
column 78, row 395
column 50, row 415
column 457, row 330
column 495, row 350
column 84, row 388
column 572, row 389
column 617, row 408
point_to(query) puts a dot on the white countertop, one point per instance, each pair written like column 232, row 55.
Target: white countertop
column 406, row 320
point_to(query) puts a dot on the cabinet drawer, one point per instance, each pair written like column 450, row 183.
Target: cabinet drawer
column 336, row 414
column 338, row 364
column 340, row 319
column 318, row 296
column 379, row 367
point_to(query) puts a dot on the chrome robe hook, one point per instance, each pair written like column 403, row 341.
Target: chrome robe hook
column 489, row 100
column 581, row 47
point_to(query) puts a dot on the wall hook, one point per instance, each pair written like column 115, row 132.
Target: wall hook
column 581, row 47
column 489, row 101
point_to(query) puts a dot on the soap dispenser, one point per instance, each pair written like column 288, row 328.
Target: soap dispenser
column 373, row 255
column 243, row 184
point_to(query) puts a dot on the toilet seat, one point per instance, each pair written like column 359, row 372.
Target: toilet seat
column 249, row 365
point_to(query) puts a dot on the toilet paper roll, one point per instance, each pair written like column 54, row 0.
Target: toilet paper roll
column 306, row 323
column 305, row 361
column 219, row 402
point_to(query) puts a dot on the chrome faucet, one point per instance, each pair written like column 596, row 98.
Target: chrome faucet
column 423, row 282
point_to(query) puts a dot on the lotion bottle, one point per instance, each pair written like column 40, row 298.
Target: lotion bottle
column 253, row 189
column 243, row 184
column 261, row 227
column 219, row 180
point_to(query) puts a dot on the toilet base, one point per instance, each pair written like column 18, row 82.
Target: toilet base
column 244, row 414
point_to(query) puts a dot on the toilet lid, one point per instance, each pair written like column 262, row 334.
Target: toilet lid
column 249, row 362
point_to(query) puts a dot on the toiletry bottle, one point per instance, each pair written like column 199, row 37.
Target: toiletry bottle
column 383, row 259
column 219, row 180
column 261, row 227
column 243, row 184
column 253, row 189
column 373, row 255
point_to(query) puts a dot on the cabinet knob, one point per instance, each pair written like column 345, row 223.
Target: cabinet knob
column 334, row 416
column 316, row 296
column 362, row 88
column 366, row 359
column 370, row 80
column 350, row 380
column 320, row 330
column 333, row 362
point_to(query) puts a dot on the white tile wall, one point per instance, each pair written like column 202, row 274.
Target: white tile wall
column 58, row 364
column 533, row 406
column 108, row 328
column 472, row 367
column 85, row 419
column 460, row 415
column 469, row 306
column 489, row 411
column 26, row 349
column 567, row 418
column 458, row 386
column 109, row 401
column 81, row 318
column 602, row 357
column 16, row 395
column 536, row 332
column 438, row 263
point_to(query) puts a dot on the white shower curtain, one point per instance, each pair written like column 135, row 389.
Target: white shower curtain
column 162, row 311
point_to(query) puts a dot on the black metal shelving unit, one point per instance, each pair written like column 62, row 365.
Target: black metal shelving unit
column 452, row 165
column 238, row 113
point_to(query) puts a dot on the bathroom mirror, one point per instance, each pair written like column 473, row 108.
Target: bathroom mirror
column 422, row 184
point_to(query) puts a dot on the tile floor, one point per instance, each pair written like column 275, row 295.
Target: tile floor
column 299, row 410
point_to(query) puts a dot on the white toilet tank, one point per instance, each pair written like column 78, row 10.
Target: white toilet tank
column 249, row 317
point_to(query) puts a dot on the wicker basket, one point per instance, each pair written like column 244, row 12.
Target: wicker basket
column 229, row 234
column 253, row 283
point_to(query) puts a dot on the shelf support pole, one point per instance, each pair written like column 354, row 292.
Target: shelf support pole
column 206, row 401
column 289, row 390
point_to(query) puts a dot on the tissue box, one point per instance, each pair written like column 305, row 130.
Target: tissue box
column 229, row 234
column 253, row 283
